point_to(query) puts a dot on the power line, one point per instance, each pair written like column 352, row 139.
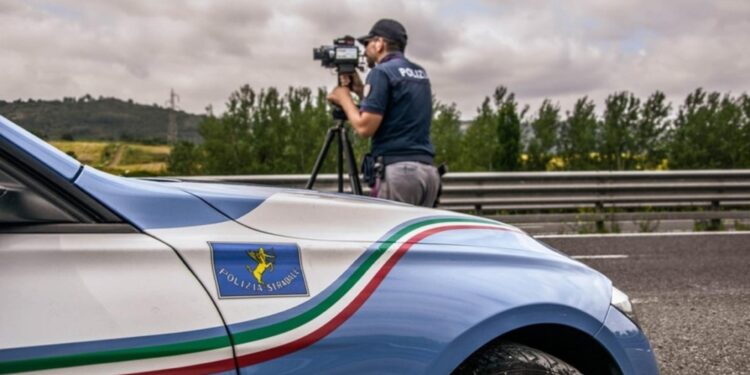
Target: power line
column 172, row 125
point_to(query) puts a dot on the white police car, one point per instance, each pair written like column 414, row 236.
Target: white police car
column 104, row 274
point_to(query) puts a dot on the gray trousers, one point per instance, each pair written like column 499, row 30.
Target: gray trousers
column 410, row 182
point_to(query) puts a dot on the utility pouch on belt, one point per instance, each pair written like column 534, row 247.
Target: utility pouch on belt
column 372, row 169
column 379, row 168
column 442, row 169
column 368, row 170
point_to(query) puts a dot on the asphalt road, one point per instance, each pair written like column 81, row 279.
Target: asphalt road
column 691, row 293
column 622, row 226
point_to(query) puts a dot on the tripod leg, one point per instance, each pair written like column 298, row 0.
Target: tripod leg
column 321, row 158
column 340, row 158
column 353, row 170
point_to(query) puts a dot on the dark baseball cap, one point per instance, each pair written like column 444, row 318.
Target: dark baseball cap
column 386, row 28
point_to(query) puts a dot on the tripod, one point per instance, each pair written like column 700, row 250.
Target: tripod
column 339, row 132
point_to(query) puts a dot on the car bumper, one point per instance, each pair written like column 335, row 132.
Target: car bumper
column 628, row 344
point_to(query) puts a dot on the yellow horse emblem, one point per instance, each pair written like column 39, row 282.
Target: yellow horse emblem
column 264, row 262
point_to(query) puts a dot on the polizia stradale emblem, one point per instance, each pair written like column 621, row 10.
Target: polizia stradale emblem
column 258, row 269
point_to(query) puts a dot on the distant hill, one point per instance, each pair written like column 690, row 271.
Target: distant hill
column 88, row 118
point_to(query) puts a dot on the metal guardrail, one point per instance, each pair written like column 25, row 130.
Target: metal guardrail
column 592, row 196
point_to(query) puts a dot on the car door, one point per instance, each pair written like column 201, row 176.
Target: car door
column 83, row 291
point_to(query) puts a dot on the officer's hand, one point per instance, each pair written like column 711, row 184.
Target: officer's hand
column 345, row 80
column 357, row 86
column 339, row 94
column 353, row 81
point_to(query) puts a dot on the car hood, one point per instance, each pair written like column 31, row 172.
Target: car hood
column 311, row 215
column 164, row 203
column 308, row 214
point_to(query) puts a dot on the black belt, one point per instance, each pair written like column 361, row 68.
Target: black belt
column 420, row 158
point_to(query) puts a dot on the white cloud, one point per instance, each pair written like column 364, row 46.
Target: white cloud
column 562, row 50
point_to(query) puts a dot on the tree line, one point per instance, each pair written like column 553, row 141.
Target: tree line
column 270, row 131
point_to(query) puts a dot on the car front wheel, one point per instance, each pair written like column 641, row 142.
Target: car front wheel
column 512, row 358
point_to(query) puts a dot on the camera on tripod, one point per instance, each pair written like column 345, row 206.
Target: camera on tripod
column 343, row 55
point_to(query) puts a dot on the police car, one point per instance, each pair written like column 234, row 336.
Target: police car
column 105, row 274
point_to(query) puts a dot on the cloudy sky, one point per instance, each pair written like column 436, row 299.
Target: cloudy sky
column 562, row 50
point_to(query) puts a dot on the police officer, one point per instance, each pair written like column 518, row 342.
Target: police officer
column 396, row 111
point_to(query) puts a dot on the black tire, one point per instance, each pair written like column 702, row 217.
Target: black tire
column 511, row 358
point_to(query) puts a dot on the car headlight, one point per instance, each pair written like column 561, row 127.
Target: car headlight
column 621, row 302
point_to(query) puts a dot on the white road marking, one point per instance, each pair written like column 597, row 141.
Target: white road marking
column 608, row 256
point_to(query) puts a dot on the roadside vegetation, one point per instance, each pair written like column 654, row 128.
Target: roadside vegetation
column 269, row 131
column 128, row 159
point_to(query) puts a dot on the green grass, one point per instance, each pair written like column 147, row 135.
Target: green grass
column 133, row 160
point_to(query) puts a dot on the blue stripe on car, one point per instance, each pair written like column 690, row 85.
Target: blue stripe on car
column 234, row 201
column 147, row 204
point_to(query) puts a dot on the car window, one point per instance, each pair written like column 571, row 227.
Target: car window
column 20, row 205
